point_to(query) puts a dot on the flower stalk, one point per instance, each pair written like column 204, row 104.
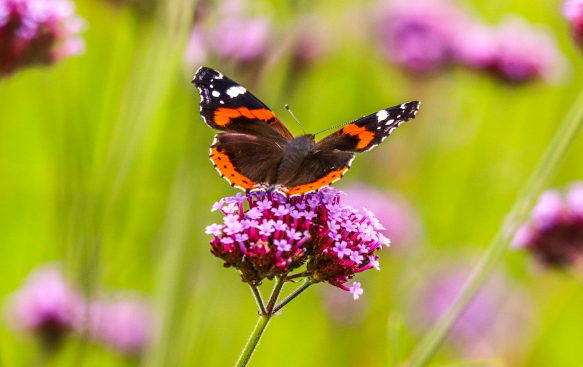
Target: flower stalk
column 545, row 170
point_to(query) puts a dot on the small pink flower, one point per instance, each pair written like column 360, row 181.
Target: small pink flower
column 356, row 290
column 123, row 324
column 37, row 32
column 46, row 306
column 554, row 233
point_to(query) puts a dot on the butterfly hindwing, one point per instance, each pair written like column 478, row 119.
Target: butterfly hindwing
column 319, row 169
column 227, row 106
column 367, row 132
column 246, row 161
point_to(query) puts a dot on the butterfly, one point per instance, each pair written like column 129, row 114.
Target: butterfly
column 257, row 152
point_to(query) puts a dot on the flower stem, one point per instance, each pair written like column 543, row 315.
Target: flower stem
column 274, row 295
column 299, row 275
column 253, row 341
column 258, row 299
column 545, row 170
column 294, row 294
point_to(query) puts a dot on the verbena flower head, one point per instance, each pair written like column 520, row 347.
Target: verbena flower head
column 46, row 306
column 419, row 34
column 123, row 324
column 515, row 51
column 554, row 233
column 265, row 234
column 37, row 32
column 573, row 12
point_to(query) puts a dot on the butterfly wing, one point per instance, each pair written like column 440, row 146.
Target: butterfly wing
column 246, row 161
column 227, row 106
column 319, row 169
column 367, row 132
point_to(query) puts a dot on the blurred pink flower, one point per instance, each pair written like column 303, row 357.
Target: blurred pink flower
column 123, row 324
column 37, row 32
column 241, row 39
column 419, row 34
column 573, row 12
column 515, row 51
column 398, row 217
column 554, row 233
column 312, row 40
column 46, row 306
column 196, row 50
column 493, row 320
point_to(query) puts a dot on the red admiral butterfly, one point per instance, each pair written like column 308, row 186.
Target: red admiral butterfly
column 257, row 151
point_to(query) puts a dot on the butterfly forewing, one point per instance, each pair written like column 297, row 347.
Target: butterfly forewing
column 367, row 132
column 227, row 106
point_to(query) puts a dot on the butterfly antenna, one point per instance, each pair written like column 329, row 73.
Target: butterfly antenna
column 333, row 127
column 287, row 107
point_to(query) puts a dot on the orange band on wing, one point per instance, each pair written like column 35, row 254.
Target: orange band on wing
column 364, row 136
column 324, row 181
column 224, row 115
column 227, row 170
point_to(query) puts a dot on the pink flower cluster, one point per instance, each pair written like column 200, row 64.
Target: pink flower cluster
column 573, row 12
column 425, row 36
column 37, row 32
column 49, row 307
column 554, row 234
column 266, row 234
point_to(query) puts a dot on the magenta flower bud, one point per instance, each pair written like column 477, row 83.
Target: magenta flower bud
column 241, row 40
column 419, row 34
column 123, row 325
column 266, row 234
column 46, row 306
column 37, row 32
column 573, row 12
column 554, row 233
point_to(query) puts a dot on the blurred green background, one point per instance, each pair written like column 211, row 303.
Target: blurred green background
column 104, row 164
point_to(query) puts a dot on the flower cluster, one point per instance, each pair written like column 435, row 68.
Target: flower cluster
column 425, row 36
column 121, row 324
column 554, row 233
column 573, row 11
column 50, row 308
column 514, row 51
column 266, row 234
column 46, row 306
column 37, row 32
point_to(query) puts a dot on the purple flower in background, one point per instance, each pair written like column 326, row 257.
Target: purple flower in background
column 241, row 39
column 515, row 51
column 554, row 233
column 573, row 12
column 46, row 306
column 419, row 34
column 494, row 320
column 335, row 250
column 123, row 324
column 392, row 210
column 37, row 32
column 196, row 51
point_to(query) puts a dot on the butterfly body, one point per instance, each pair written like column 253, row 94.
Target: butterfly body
column 256, row 151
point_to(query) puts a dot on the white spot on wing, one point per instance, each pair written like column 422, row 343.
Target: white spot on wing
column 381, row 115
column 235, row 91
column 222, row 102
column 216, row 94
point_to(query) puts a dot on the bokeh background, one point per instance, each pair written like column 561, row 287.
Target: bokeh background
column 104, row 171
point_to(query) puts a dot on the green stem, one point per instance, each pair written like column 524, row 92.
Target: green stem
column 544, row 172
column 274, row 295
column 299, row 275
column 253, row 341
column 294, row 294
column 258, row 299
